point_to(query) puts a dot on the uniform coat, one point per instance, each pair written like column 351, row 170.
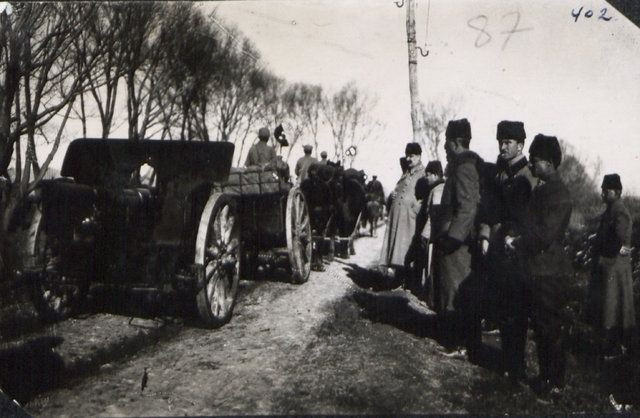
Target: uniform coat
column 375, row 187
column 612, row 275
column 432, row 212
column 401, row 228
column 545, row 223
column 260, row 154
column 507, row 198
column 302, row 166
column 459, row 205
column 549, row 269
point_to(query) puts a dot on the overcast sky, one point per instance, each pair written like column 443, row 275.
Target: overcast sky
column 578, row 80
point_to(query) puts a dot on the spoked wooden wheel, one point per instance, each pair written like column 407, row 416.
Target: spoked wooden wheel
column 218, row 249
column 299, row 238
column 55, row 295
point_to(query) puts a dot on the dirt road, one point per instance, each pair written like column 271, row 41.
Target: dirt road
column 340, row 343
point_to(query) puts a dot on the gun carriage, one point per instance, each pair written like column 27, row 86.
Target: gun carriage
column 198, row 227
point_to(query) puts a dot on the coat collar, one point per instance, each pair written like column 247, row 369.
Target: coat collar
column 417, row 169
column 511, row 169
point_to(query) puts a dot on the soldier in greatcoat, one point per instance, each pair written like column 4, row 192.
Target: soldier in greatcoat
column 547, row 264
column 508, row 196
column 401, row 226
column 432, row 214
column 612, row 270
column 455, row 243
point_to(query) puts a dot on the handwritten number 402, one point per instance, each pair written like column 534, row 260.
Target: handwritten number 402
column 589, row 13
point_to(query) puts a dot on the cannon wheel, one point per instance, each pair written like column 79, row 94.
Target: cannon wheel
column 55, row 296
column 218, row 249
column 299, row 238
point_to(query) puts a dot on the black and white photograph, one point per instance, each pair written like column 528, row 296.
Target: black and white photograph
column 319, row 207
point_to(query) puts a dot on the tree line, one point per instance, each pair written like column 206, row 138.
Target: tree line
column 164, row 70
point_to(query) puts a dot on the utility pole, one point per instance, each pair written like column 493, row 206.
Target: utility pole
column 413, row 70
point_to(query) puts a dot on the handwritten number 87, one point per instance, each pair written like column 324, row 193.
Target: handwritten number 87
column 480, row 22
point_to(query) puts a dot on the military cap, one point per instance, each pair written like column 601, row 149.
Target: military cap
column 611, row 181
column 413, row 148
column 263, row 133
column 434, row 167
column 547, row 148
column 307, row 148
column 460, row 128
column 278, row 131
column 323, row 154
column 511, row 130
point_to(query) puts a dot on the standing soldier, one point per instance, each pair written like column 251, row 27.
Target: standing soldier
column 612, row 270
column 508, row 198
column 261, row 154
column 455, row 243
column 303, row 164
column 323, row 156
column 401, row 228
column 548, row 266
column 375, row 188
column 432, row 224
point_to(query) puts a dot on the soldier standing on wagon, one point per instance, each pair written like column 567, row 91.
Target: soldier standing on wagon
column 548, row 266
column 508, row 198
column 612, row 271
column 304, row 162
column 401, row 228
column 260, row 154
column 323, row 158
column 455, row 247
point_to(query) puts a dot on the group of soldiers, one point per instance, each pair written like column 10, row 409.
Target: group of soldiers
column 261, row 154
column 482, row 235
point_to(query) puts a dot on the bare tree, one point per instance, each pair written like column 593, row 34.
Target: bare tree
column 107, row 31
column 348, row 113
column 302, row 104
column 40, row 82
column 141, row 57
column 434, row 119
column 261, row 105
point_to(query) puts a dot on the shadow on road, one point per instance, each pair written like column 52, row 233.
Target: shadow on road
column 395, row 309
column 140, row 303
column 31, row 367
column 370, row 278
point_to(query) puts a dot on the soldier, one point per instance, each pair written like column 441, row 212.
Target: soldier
column 323, row 158
column 303, row 164
column 508, row 198
column 547, row 264
column 612, row 271
column 401, row 228
column 454, row 244
column 432, row 218
column 261, row 154
column 375, row 188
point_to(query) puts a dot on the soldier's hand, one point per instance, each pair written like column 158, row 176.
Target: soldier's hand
column 508, row 244
column 625, row 250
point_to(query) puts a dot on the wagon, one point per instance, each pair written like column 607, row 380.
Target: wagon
column 189, row 228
